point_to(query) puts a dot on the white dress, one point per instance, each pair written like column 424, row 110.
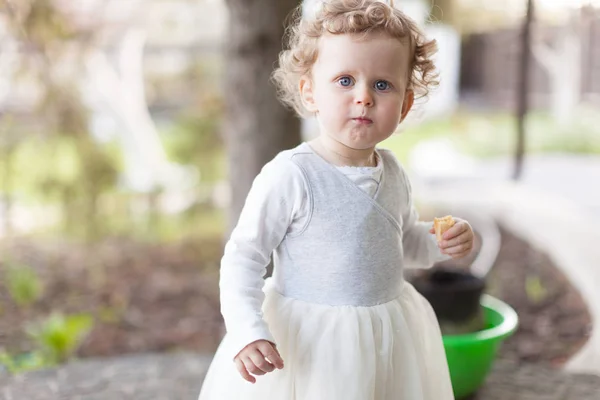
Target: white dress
column 387, row 351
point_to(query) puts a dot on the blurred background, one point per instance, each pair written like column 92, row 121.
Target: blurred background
column 130, row 132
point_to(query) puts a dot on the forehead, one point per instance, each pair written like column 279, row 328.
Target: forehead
column 373, row 53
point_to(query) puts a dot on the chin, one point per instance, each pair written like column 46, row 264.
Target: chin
column 364, row 138
column 360, row 144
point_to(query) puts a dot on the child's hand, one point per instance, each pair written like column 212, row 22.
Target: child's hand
column 257, row 358
column 458, row 240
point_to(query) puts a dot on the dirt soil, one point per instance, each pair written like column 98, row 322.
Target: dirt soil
column 149, row 298
column 554, row 322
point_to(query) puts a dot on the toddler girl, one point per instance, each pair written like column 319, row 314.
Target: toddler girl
column 337, row 321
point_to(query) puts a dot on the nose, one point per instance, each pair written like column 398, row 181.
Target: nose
column 363, row 96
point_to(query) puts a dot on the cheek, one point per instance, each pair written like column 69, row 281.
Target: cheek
column 330, row 104
column 393, row 108
column 328, row 96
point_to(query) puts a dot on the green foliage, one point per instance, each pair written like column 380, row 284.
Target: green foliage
column 58, row 165
column 486, row 135
column 67, row 165
column 23, row 284
column 198, row 222
column 403, row 142
column 55, row 341
column 70, row 171
column 494, row 135
column 536, row 292
column 58, row 337
column 22, row 363
column 46, row 167
column 194, row 139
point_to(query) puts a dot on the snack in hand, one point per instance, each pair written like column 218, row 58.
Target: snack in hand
column 441, row 225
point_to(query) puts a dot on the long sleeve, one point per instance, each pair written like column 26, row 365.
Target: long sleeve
column 420, row 246
column 273, row 205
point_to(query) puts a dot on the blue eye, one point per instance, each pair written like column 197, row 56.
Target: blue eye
column 382, row 85
column 345, row 81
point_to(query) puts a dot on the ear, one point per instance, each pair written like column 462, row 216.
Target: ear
column 409, row 99
column 307, row 95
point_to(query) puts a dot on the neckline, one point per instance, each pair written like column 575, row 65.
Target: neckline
column 372, row 200
column 335, row 169
column 361, row 170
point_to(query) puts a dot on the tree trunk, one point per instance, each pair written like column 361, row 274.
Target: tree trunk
column 120, row 91
column 563, row 63
column 256, row 126
column 523, row 91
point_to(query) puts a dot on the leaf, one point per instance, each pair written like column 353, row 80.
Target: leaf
column 59, row 336
column 23, row 284
column 536, row 292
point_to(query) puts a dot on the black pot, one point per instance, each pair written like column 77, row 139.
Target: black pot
column 453, row 293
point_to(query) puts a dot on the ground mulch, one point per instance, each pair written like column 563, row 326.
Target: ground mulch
column 554, row 321
column 147, row 297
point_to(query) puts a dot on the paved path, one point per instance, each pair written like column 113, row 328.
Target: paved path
column 572, row 177
column 556, row 208
column 136, row 377
column 179, row 377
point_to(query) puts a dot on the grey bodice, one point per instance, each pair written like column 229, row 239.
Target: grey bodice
column 350, row 251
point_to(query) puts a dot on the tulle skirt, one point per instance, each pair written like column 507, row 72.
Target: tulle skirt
column 390, row 351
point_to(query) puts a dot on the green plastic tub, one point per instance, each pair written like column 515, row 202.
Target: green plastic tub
column 470, row 356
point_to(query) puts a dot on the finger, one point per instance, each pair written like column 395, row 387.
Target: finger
column 251, row 368
column 458, row 249
column 461, row 239
column 259, row 366
column 243, row 371
column 270, row 352
column 432, row 230
column 460, row 255
column 456, row 230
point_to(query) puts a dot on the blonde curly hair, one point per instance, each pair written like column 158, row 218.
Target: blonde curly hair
column 350, row 17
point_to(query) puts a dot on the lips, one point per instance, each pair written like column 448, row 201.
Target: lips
column 363, row 120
